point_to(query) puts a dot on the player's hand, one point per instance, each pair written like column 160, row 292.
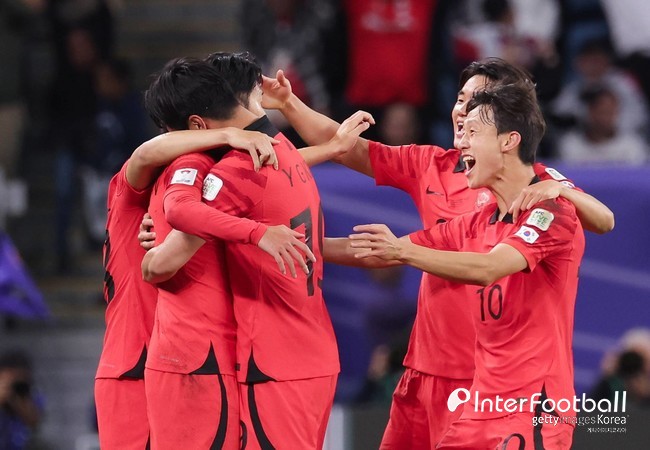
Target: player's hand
column 258, row 145
column 277, row 91
column 535, row 193
column 376, row 240
column 145, row 235
column 348, row 132
column 283, row 243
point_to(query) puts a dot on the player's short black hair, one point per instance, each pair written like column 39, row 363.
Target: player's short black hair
column 514, row 108
column 497, row 71
column 187, row 86
column 241, row 70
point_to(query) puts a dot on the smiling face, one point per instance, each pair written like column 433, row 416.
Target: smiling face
column 481, row 148
column 459, row 112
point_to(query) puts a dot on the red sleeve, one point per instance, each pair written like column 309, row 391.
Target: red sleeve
column 443, row 236
column 185, row 211
column 233, row 185
column 549, row 173
column 546, row 229
column 130, row 197
column 400, row 166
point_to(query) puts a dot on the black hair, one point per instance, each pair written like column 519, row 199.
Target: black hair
column 514, row 108
column 497, row 71
column 241, row 70
column 187, row 86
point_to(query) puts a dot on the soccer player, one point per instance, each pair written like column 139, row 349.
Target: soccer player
column 119, row 385
column 528, row 270
column 287, row 358
column 440, row 355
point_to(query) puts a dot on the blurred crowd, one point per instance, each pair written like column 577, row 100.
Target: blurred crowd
column 64, row 90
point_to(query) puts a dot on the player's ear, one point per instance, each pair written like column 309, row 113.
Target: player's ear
column 195, row 122
column 511, row 142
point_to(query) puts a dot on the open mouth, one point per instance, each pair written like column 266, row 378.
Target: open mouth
column 460, row 129
column 470, row 162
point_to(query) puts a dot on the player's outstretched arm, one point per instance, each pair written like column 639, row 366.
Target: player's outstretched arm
column 342, row 142
column 594, row 215
column 162, row 262
column 463, row 267
column 163, row 149
column 339, row 251
column 313, row 127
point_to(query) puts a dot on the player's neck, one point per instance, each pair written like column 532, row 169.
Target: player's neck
column 240, row 119
column 512, row 180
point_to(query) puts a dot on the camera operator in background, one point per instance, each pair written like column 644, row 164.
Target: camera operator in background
column 20, row 409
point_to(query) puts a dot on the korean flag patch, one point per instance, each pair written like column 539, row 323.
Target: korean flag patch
column 184, row 176
column 527, row 234
column 555, row 174
column 211, row 187
column 540, row 218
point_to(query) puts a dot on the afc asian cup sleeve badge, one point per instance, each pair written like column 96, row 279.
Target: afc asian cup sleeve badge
column 184, row 176
column 527, row 234
column 211, row 187
column 540, row 218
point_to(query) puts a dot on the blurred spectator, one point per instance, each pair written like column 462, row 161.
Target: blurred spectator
column 384, row 371
column 628, row 370
column 16, row 19
column 382, row 52
column 288, row 35
column 20, row 405
column 519, row 31
column 121, row 126
column 400, row 125
column 594, row 67
column 83, row 35
column 599, row 138
column 629, row 21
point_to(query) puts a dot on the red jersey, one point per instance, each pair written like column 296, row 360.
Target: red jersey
column 284, row 331
column 194, row 330
column 443, row 336
column 130, row 301
column 524, row 321
column 380, row 33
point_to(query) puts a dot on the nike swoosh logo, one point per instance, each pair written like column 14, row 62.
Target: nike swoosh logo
column 430, row 192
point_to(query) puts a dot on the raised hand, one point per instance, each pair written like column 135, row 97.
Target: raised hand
column 277, row 91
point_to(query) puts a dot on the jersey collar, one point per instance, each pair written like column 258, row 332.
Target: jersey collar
column 508, row 217
column 263, row 125
column 460, row 165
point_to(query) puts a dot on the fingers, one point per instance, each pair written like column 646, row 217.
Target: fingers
column 280, row 262
column 289, row 261
column 305, row 249
column 297, row 257
column 279, row 75
column 255, row 157
column 370, row 228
